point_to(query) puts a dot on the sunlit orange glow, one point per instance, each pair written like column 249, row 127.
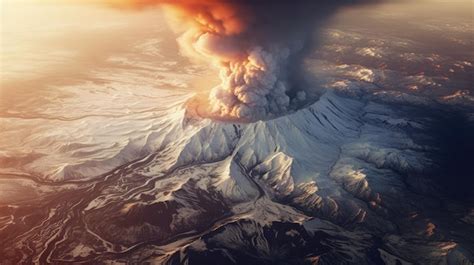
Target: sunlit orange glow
column 217, row 16
column 211, row 32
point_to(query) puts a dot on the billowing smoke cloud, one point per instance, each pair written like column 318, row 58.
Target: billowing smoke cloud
column 255, row 44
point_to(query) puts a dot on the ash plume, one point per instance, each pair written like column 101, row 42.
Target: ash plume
column 257, row 46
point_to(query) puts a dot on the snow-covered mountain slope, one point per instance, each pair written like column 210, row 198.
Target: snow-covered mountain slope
column 345, row 177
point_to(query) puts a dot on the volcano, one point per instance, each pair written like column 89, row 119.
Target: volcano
column 121, row 158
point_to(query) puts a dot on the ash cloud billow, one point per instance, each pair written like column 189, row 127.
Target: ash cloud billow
column 257, row 46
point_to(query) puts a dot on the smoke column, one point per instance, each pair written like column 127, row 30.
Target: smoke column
column 257, row 46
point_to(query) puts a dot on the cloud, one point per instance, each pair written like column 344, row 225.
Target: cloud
column 257, row 46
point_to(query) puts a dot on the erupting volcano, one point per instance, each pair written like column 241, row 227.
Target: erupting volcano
column 236, row 132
